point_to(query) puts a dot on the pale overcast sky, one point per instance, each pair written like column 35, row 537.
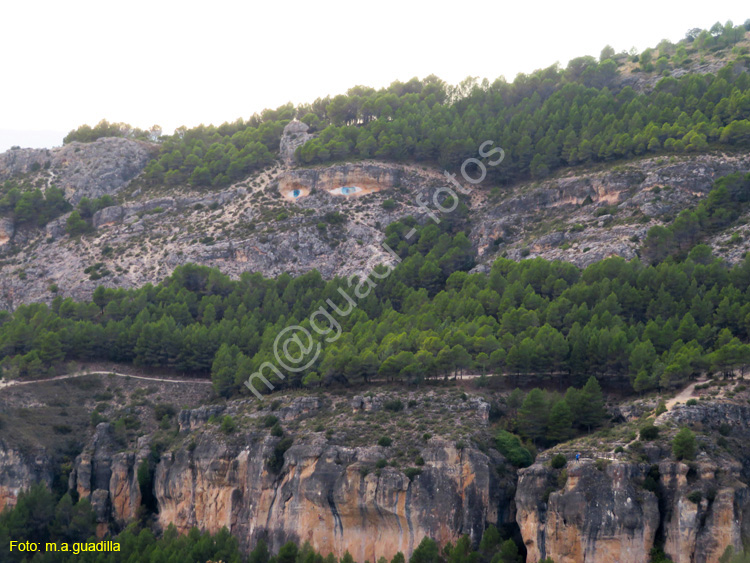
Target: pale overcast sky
column 185, row 63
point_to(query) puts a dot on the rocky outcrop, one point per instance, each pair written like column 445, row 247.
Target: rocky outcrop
column 641, row 193
column 329, row 496
column 108, row 478
column 7, row 230
column 194, row 419
column 604, row 514
column 108, row 216
column 295, row 135
column 19, row 471
column 335, row 497
column 597, row 516
column 82, row 169
column 260, row 225
column 372, row 176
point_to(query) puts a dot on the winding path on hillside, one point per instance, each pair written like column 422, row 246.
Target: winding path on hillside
column 12, row 383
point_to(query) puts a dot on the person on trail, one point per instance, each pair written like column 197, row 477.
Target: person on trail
column 578, row 457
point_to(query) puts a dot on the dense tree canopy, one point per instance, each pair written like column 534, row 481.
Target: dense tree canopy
column 657, row 324
column 550, row 118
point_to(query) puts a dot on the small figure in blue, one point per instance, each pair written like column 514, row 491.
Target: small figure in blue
column 578, row 456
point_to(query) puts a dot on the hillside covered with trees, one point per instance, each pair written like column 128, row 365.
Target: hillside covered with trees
column 587, row 112
column 657, row 324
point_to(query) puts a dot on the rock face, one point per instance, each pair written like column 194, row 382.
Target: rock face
column 651, row 189
column 296, row 244
column 598, row 516
column 294, row 136
column 108, row 478
column 7, row 230
column 605, row 515
column 326, row 494
column 19, row 470
column 368, row 176
column 265, row 225
column 322, row 495
column 332, row 496
column 82, row 169
column 603, row 512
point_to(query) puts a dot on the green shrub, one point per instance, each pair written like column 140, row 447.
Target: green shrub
column 276, row 461
column 227, row 425
column 691, row 402
column 558, row 461
column 381, row 463
column 164, row 409
column 394, row 405
column 649, row 432
column 510, row 446
column 412, row 472
column 334, row 218
column 269, row 420
column 695, row 497
column 277, row 430
column 725, row 429
column 96, row 418
column 651, row 482
column 385, row 441
column 684, row 445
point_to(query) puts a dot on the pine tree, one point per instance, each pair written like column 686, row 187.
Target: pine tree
column 592, row 411
column 560, row 425
column 533, row 415
column 224, row 368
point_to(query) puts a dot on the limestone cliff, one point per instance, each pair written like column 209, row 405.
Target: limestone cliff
column 19, row 470
column 322, row 495
column 605, row 511
column 339, row 496
column 601, row 516
column 109, row 478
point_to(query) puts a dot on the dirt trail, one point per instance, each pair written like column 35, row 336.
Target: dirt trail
column 12, row 383
column 683, row 395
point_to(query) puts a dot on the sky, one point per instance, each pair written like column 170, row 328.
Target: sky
column 186, row 63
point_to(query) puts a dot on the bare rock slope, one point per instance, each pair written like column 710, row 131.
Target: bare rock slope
column 288, row 219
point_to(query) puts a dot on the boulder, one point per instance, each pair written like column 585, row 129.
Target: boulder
column 108, row 216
